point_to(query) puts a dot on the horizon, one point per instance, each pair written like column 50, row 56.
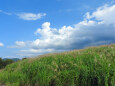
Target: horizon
column 36, row 27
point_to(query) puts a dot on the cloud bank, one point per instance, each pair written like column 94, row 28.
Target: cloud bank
column 97, row 28
column 31, row 16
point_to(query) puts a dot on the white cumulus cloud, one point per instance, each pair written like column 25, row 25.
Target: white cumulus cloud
column 104, row 14
column 97, row 28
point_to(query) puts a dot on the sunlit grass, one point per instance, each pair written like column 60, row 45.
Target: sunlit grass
column 94, row 66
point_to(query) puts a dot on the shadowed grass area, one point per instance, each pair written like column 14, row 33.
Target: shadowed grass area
column 94, row 66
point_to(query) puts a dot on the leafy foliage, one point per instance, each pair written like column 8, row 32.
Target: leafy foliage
column 3, row 63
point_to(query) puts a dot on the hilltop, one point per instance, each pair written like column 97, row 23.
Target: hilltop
column 93, row 66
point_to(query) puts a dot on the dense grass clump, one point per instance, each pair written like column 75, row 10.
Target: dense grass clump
column 94, row 66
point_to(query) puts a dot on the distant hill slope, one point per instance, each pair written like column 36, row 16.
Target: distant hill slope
column 14, row 59
column 94, row 66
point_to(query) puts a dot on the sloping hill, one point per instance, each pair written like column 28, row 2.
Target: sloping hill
column 94, row 66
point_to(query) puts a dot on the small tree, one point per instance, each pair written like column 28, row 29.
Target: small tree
column 4, row 63
column 24, row 58
column 8, row 61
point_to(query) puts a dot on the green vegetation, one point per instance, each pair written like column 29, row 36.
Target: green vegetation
column 94, row 66
column 4, row 63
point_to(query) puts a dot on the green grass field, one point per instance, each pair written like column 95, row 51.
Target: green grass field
column 93, row 66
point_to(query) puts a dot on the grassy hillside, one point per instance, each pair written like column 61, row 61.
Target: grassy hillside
column 94, row 66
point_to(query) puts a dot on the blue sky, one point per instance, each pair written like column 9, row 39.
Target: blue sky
column 34, row 27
